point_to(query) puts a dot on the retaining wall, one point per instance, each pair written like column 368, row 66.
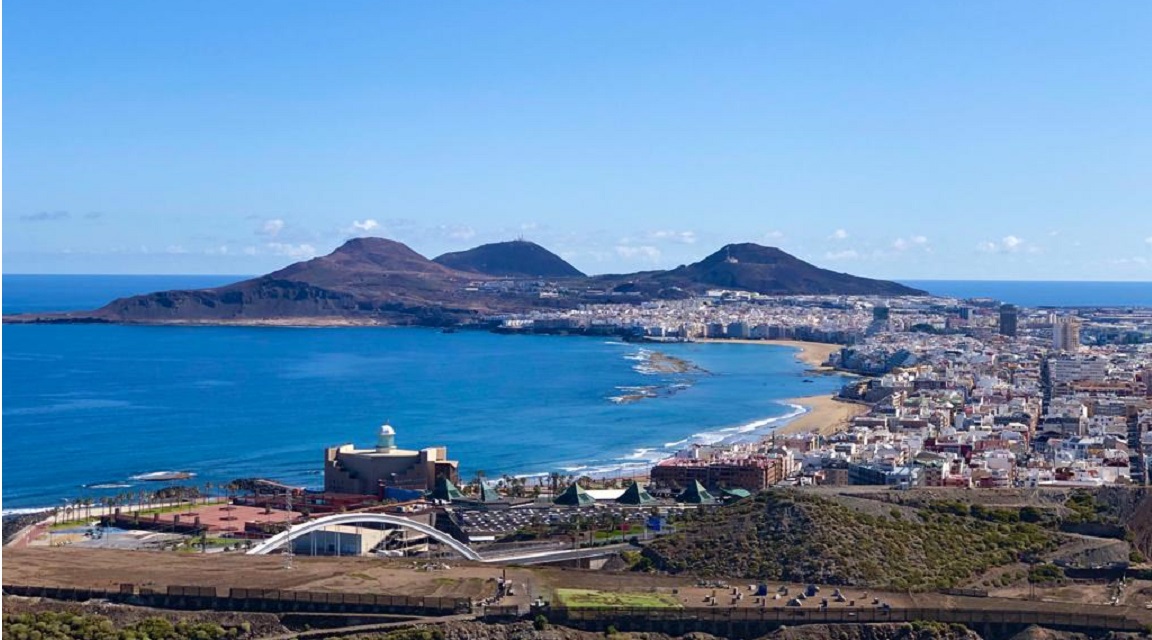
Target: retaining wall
column 266, row 600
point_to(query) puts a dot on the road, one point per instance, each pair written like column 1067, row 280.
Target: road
column 553, row 555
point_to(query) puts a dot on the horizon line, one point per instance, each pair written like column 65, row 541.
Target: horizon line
column 892, row 279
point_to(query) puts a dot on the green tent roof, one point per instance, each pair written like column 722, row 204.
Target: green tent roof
column 488, row 494
column 736, row 493
column 695, row 494
column 635, row 495
column 446, row 491
column 574, row 496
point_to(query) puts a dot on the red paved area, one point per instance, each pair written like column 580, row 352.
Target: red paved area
column 224, row 518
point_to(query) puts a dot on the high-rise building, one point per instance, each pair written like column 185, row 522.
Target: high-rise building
column 1008, row 316
column 1066, row 333
column 1067, row 368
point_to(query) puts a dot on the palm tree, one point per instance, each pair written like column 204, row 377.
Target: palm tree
column 580, row 521
column 189, row 494
column 231, row 488
column 618, row 524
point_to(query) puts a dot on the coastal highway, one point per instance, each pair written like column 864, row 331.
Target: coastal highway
column 553, row 555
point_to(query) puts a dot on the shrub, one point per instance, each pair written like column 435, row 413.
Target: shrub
column 791, row 536
column 1043, row 573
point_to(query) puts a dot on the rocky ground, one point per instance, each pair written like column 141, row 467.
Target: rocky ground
column 265, row 625
column 261, row 625
column 13, row 524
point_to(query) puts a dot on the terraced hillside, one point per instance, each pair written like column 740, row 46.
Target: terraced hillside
column 792, row 536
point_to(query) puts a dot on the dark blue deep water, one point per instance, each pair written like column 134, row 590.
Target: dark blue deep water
column 98, row 404
column 1044, row 293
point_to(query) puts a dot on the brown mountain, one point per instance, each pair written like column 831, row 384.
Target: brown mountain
column 380, row 281
column 365, row 281
column 769, row 270
column 515, row 259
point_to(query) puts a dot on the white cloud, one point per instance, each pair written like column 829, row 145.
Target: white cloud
column 901, row 244
column 1007, row 244
column 175, row 249
column 271, row 228
column 456, row 232
column 645, row 252
column 683, row 237
column 1148, row 240
column 366, row 225
column 774, row 235
column 839, row 234
column 848, row 254
column 295, row 251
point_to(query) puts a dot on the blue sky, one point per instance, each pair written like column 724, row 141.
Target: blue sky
column 965, row 140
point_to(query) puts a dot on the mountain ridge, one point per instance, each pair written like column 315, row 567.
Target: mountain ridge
column 515, row 258
column 381, row 281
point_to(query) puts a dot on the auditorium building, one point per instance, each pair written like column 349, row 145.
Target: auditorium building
column 369, row 471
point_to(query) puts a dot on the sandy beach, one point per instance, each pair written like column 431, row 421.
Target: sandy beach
column 813, row 354
column 825, row 416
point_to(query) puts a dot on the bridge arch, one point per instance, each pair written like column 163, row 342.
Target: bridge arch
column 352, row 518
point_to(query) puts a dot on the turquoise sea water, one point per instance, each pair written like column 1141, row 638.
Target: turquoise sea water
column 98, row 404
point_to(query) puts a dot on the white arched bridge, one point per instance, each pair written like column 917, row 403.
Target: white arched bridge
column 354, row 518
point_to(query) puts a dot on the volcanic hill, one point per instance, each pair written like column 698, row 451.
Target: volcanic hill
column 753, row 267
column 514, row 259
column 381, row 281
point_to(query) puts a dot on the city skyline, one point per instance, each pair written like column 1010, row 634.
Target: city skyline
column 897, row 141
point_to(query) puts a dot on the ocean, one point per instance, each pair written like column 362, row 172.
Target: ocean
column 1031, row 293
column 88, row 407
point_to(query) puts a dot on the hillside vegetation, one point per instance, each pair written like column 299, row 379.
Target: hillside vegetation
column 51, row 625
column 787, row 535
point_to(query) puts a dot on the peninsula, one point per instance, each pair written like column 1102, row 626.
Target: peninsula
column 376, row 281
